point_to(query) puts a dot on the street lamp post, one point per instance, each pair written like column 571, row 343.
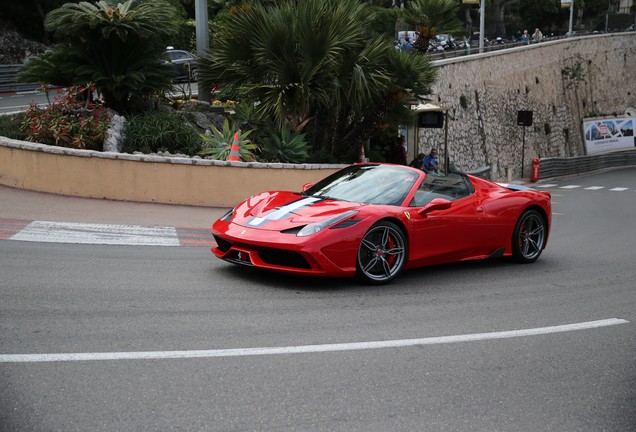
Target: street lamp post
column 203, row 41
column 482, row 24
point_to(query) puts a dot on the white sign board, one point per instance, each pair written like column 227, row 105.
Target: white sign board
column 608, row 135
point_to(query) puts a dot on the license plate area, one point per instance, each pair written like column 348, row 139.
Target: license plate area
column 240, row 257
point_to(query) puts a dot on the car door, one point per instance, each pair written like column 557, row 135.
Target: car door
column 448, row 234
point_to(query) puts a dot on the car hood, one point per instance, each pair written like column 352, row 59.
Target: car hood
column 281, row 210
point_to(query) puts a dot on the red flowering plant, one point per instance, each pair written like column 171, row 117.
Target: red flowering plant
column 72, row 120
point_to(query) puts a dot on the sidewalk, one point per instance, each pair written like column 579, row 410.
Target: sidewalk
column 36, row 206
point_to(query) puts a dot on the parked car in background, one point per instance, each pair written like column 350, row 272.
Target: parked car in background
column 183, row 63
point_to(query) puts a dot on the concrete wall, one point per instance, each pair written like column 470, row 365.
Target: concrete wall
column 144, row 178
column 485, row 91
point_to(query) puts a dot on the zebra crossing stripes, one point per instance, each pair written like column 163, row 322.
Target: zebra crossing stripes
column 574, row 186
column 60, row 232
column 103, row 234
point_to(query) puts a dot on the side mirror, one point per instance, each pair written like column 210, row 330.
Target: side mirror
column 307, row 186
column 436, row 204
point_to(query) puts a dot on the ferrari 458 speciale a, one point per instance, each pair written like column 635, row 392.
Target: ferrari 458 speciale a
column 374, row 220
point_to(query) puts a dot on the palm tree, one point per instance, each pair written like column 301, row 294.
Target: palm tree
column 314, row 66
column 432, row 17
column 115, row 45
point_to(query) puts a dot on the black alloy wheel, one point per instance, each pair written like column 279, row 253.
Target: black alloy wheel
column 528, row 239
column 382, row 253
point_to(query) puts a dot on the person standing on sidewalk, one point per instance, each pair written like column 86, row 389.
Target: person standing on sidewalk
column 537, row 36
column 525, row 37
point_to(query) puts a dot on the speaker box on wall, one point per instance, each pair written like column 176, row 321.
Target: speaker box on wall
column 430, row 119
column 524, row 118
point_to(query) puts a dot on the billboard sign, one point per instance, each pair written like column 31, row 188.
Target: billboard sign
column 607, row 135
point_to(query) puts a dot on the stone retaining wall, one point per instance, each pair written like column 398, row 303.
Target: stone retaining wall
column 484, row 92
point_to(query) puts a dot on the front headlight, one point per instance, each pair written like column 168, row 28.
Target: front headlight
column 313, row 228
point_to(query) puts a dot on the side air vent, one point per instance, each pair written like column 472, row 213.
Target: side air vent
column 345, row 224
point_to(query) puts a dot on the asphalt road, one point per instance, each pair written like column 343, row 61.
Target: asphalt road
column 11, row 102
column 58, row 298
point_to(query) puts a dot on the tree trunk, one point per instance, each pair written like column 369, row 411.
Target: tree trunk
column 499, row 11
column 469, row 22
column 362, row 131
column 318, row 132
column 42, row 15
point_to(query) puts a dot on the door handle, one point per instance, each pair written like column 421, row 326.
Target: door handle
column 480, row 209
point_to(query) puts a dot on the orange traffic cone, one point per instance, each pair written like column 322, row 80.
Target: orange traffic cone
column 362, row 157
column 235, row 154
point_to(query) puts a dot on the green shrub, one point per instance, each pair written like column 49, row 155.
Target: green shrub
column 10, row 126
column 219, row 144
column 71, row 121
column 160, row 131
column 115, row 44
column 463, row 101
column 286, row 147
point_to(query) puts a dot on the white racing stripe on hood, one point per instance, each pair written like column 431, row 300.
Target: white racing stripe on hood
column 283, row 211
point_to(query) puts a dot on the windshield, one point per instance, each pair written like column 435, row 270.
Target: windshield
column 367, row 184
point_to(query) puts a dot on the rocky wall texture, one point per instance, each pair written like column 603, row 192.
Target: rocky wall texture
column 562, row 82
column 14, row 49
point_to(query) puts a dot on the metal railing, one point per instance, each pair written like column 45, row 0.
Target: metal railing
column 558, row 167
column 9, row 77
column 494, row 45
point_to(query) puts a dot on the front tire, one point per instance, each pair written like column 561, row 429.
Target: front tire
column 528, row 239
column 381, row 254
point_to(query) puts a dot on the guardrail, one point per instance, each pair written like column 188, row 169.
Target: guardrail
column 557, row 167
column 482, row 171
column 494, row 45
column 8, row 79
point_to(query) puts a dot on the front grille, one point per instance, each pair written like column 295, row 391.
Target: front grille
column 283, row 258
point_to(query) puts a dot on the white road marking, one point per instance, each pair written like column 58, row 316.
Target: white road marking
column 16, row 107
column 239, row 352
column 78, row 233
column 552, row 185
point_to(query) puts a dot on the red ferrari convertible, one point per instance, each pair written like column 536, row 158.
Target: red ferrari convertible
column 374, row 220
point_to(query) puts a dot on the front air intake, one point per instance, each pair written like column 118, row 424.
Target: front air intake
column 283, row 258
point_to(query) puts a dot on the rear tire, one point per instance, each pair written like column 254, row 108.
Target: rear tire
column 381, row 254
column 528, row 239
